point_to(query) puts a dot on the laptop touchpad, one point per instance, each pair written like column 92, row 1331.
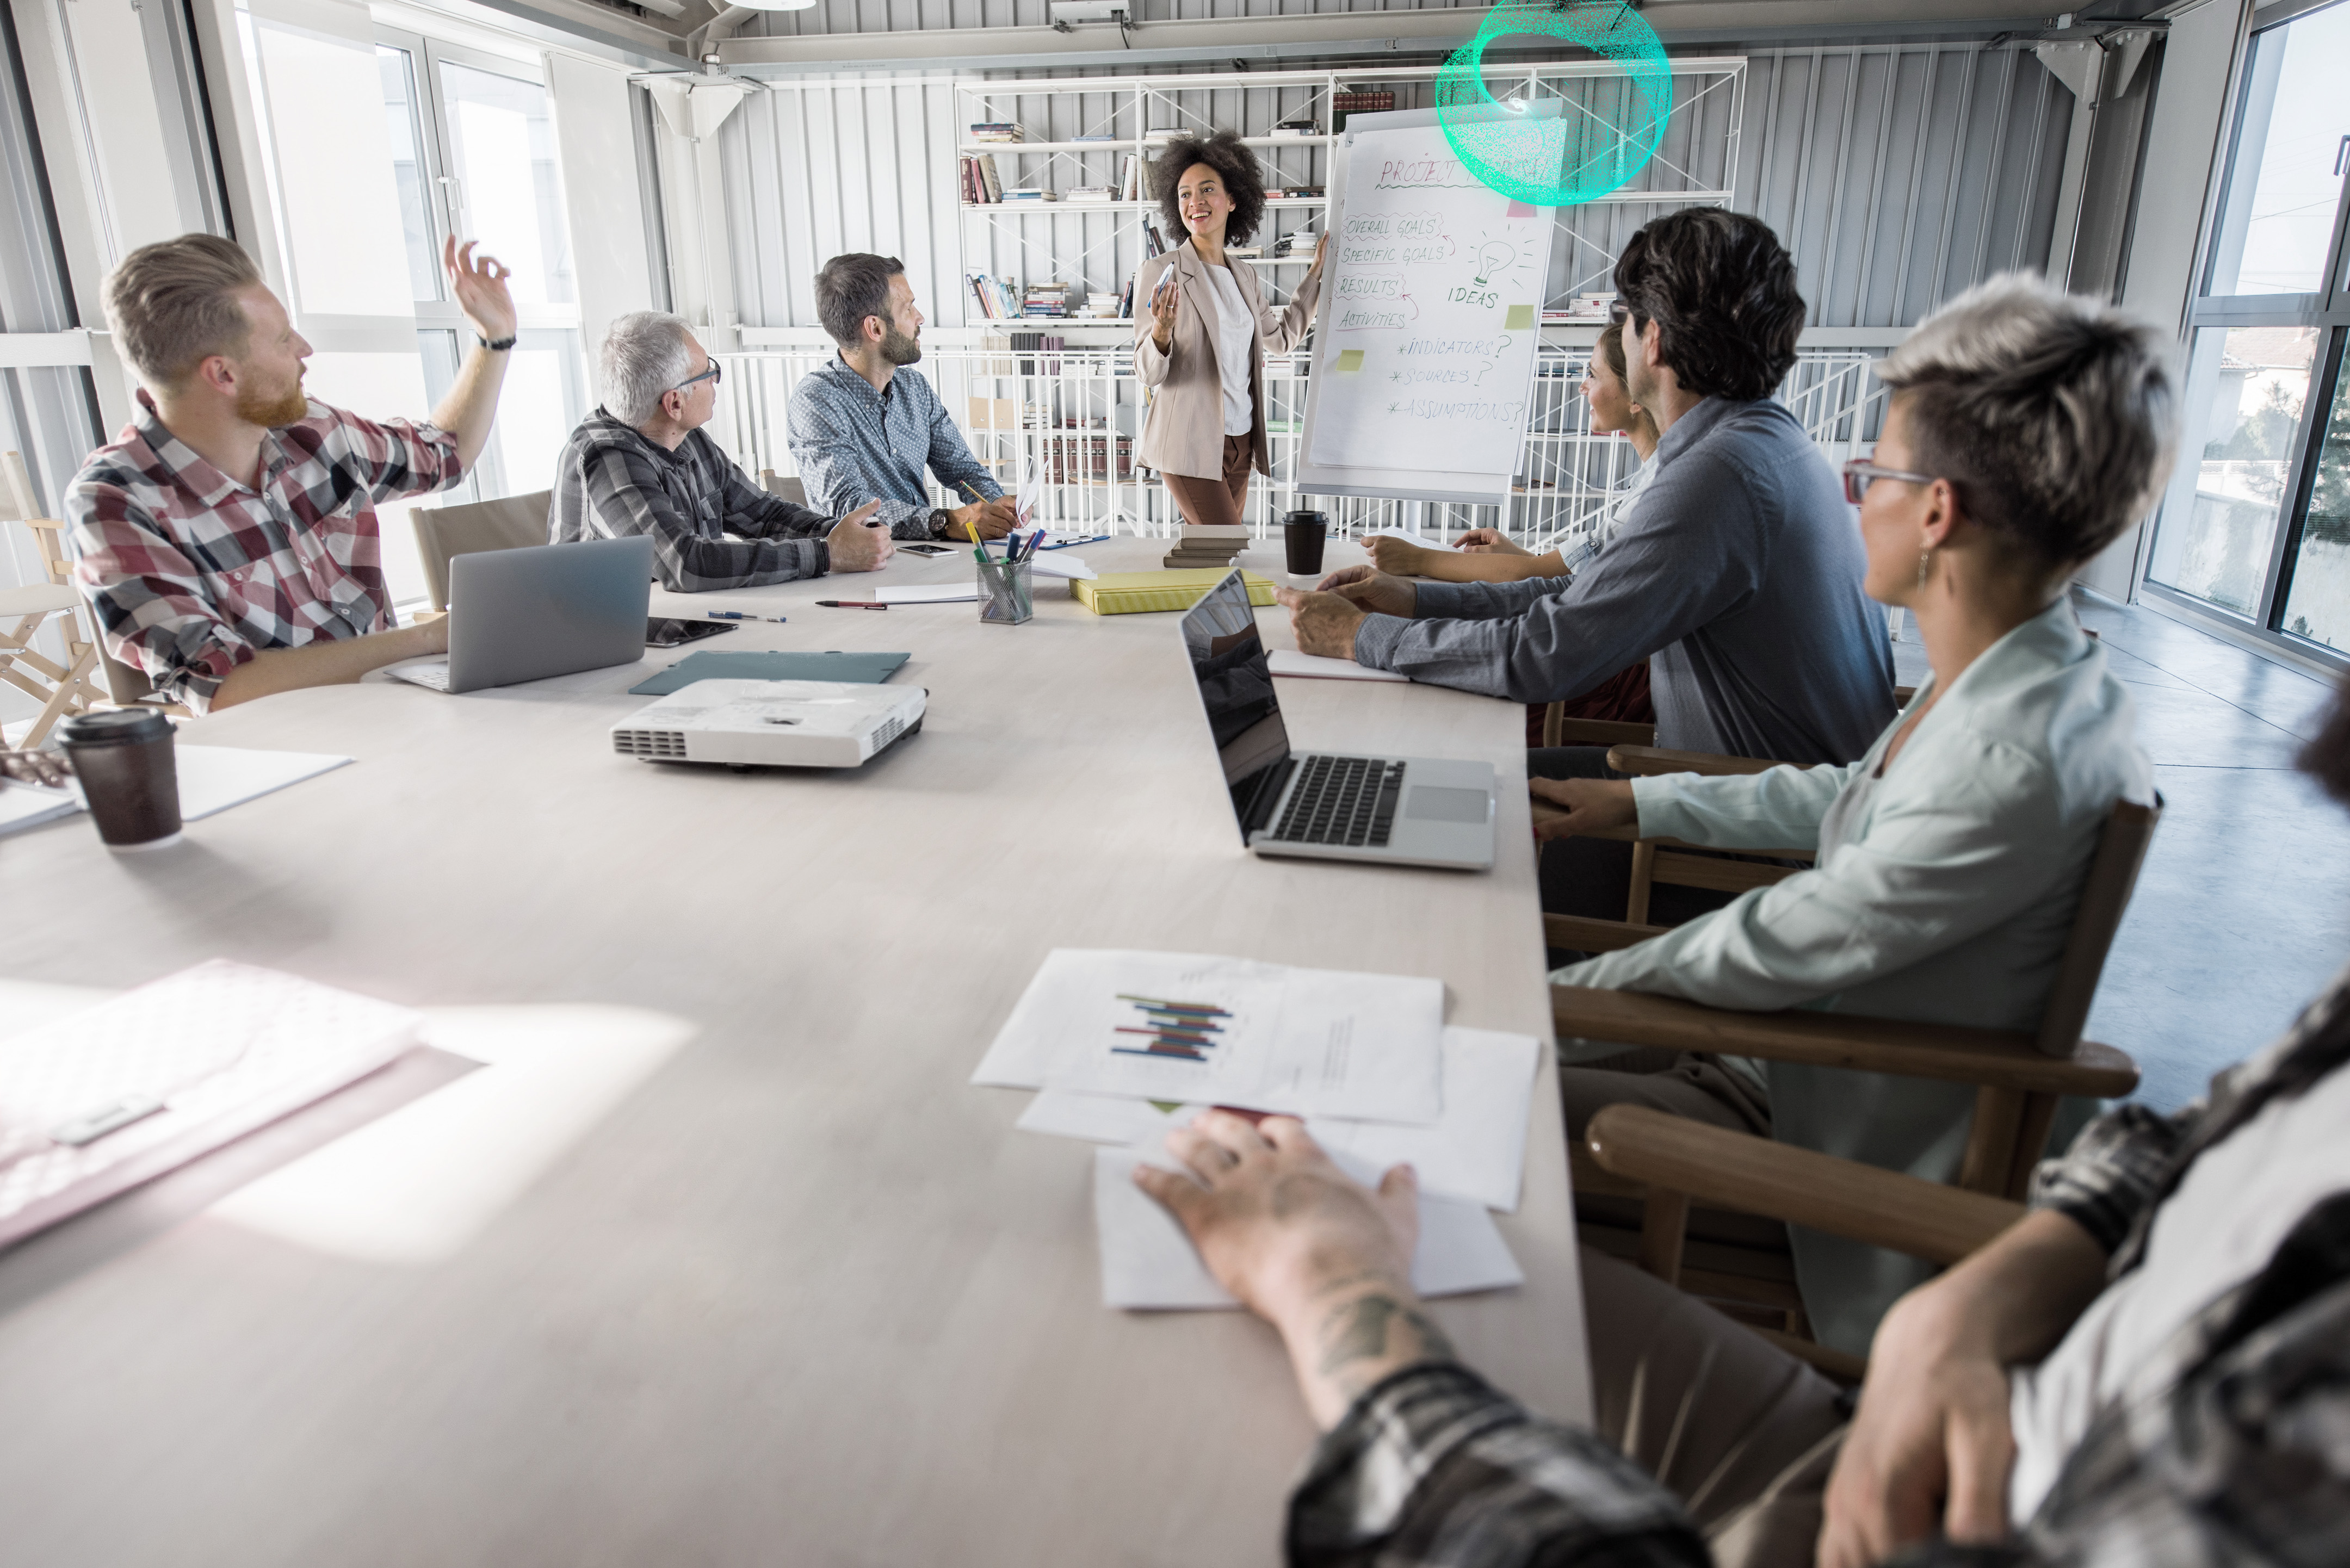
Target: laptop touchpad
column 1435, row 803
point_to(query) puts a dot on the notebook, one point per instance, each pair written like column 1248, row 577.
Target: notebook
column 864, row 669
column 1123, row 593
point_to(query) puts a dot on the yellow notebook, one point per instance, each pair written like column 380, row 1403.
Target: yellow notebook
column 1122, row 593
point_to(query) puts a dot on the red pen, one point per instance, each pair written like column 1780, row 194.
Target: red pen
column 850, row 603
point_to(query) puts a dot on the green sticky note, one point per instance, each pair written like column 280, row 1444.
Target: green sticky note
column 1520, row 318
column 1350, row 361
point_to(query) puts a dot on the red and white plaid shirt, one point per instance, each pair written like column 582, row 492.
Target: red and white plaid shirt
column 190, row 573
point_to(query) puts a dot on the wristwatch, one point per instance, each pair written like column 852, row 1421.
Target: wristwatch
column 941, row 523
column 500, row 346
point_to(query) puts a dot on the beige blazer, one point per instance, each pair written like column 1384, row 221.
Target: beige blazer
column 1184, row 432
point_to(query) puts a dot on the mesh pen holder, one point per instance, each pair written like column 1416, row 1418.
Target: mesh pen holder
column 1007, row 592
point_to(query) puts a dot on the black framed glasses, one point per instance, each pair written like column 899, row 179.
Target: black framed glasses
column 715, row 375
column 1860, row 473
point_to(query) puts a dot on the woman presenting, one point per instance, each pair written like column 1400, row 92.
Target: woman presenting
column 1207, row 329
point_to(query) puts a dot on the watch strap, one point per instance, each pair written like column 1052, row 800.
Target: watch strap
column 499, row 347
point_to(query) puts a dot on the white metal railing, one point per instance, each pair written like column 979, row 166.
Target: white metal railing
column 1075, row 411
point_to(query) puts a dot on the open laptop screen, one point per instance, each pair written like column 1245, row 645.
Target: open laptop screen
column 1236, row 688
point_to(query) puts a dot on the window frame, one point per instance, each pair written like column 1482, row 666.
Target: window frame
column 2328, row 310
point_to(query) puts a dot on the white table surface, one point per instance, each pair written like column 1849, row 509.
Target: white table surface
column 721, row 1259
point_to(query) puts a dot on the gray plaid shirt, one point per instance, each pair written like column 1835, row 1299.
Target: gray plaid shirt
column 2244, row 1457
column 853, row 445
column 711, row 526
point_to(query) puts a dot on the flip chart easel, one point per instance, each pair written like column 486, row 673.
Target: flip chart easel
column 1423, row 368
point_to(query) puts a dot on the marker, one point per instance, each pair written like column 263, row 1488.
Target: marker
column 850, row 603
column 737, row 614
column 972, row 529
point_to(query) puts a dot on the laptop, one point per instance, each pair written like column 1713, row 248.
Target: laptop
column 540, row 610
column 1410, row 811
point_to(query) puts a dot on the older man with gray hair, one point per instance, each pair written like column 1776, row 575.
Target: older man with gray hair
column 642, row 464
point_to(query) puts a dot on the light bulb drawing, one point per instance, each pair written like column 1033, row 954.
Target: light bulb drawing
column 1493, row 256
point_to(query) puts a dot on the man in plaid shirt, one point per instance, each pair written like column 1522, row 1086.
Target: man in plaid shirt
column 2151, row 1368
column 226, row 540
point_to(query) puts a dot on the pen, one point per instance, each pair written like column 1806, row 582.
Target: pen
column 972, row 529
column 850, row 603
column 1064, row 544
column 737, row 614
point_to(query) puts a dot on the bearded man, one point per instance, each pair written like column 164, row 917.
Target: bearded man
column 863, row 426
column 226, row 540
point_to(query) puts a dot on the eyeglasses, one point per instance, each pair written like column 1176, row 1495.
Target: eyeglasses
column 715, row 375
column 1860, row 473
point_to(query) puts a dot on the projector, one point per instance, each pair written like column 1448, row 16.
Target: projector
column 772, row 724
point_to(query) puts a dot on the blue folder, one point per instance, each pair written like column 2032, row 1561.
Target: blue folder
column 871, row 669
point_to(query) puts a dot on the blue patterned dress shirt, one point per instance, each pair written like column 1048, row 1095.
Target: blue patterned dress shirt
column 853, row 445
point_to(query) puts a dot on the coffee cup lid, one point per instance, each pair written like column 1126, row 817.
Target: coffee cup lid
column 114, row 727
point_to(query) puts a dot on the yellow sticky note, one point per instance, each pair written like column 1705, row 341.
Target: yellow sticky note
column 1520, row 318
column 1350, row 361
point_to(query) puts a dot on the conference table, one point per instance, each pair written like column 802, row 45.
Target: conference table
column 685, row 1238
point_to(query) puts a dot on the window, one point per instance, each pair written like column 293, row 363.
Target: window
column 2256, row 524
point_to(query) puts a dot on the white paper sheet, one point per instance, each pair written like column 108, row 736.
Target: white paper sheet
column 213, row 778
column 1148, row 1261
column 24, row 806
column 1289, row 662
column 1476, row 1150
column 929, row 593
column 1060, row 563
column 1305, row 1041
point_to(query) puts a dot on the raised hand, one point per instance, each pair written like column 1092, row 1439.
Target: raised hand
column 1166, row 300
column 479, row 288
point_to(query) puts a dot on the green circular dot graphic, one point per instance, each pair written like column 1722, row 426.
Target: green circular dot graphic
column 1598, row 142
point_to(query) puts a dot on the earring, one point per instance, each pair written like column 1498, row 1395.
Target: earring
column 1925, row 565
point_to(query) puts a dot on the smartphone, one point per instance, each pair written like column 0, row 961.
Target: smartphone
column 660, row 632
column 926, row 549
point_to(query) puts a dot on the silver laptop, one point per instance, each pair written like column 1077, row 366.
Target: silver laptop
column 542, row 611
column 1418, row 811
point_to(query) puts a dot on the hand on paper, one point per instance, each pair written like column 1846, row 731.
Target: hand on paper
column 1588, row 805
column 1324, row 1259
column 44, row 768
column 1490, row 541
column 1373, row 589
column 858, row 543
column 1321, row 255
column 1396, row 557
column 994, row 519
column 1323, row 624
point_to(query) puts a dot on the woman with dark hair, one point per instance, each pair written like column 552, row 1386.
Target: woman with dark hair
column 1204, row 329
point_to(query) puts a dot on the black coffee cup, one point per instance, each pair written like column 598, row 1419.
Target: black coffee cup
column 129, row 775
column 1303, row 533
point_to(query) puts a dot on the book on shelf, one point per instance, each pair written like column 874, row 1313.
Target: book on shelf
column 1377, row 100
column 998, row 130
column 981, row 185
column 1129, row 178
column 1016, row 196
column 1246, row 252
column 1088, row 194
column 1305, row 126
column 992, row 294
column 1092, row 139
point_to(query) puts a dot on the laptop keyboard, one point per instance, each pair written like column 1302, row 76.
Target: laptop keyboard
column 435, row 676
column 1342, row 800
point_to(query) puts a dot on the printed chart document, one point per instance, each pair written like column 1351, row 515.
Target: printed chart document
column 1289, row 662
column 1223, row 1030
column 1476, row 1150
column 1148, row 1261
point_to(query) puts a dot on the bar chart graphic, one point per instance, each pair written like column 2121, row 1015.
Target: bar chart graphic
column 1177, row 1031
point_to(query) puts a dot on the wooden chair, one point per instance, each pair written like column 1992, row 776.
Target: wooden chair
column 2018, row 1079
column 1679, row 1163
column 444, row 532
column 61, row 688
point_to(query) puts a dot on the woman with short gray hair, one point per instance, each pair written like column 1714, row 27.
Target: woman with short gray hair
column 2026, row 430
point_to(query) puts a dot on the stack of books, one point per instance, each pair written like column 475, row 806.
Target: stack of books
column 1305, row 125
column 1206, row 545
column 1048, row 300
column 1377, row 101
column 998, row 130
column 1296, row 192
column 1123, row 593
column 992, row 296
column 1030, row 196
column 1102, row 306
column 1091, row 193
column 979, row 184
column 1296, row 243
column 1129, row 180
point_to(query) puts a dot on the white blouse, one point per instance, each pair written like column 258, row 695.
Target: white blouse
column 1235, row 350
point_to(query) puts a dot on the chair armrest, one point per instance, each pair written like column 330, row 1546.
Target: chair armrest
column 1986, row 1058
column 1647, row 761
column 1583, row 934
column 1566, row 732
column 1724, row 1169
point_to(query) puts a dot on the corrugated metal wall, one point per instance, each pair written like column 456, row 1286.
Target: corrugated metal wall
column 1899, row 175
column 926, row 15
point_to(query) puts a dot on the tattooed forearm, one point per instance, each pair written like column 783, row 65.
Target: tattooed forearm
column 1378, row 1328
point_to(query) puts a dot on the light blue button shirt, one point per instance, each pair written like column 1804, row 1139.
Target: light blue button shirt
column 1944, row 892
